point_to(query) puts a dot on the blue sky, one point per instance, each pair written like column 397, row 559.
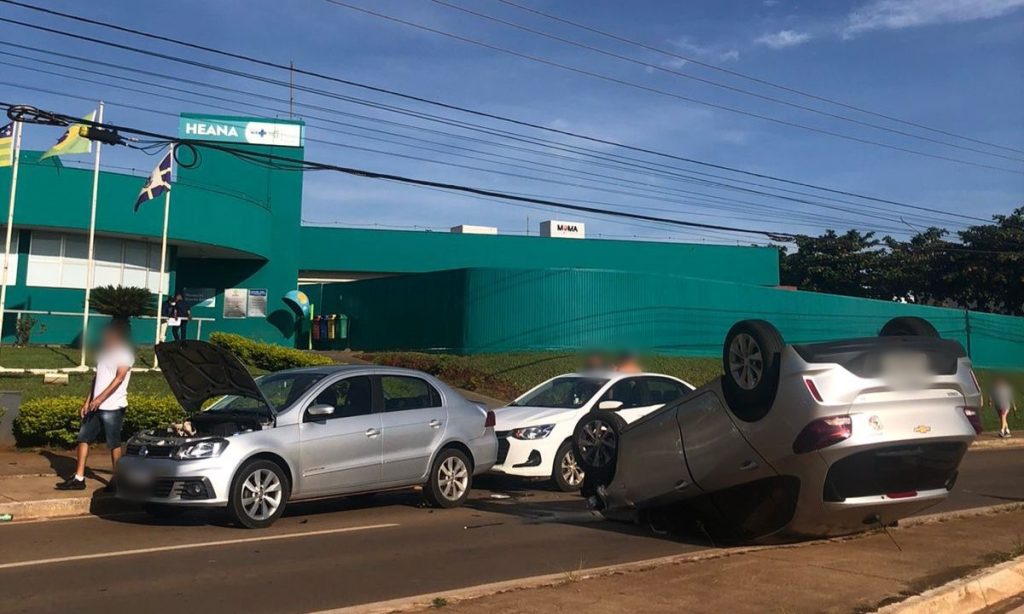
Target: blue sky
column 953, row 65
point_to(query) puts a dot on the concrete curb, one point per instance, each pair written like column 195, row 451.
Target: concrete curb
column 425, row 601
column 982, row 590
column 68, row 506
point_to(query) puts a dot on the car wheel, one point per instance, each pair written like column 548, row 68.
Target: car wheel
column 450, row 479
column 259, row 493
column 163, row 510
column 750, row 358
column 595, row 442
column 567, row 474
column 908, row 326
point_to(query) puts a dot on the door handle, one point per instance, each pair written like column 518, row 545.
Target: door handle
column 435, row 423
column 372, row 432
column 748, row 465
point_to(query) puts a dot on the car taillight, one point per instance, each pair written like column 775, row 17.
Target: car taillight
column 813, row 389
column 823, row 433
column 974, row 416
column 489, row 421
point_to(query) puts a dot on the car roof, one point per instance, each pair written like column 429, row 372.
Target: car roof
column 332, row 369
column 614, row 375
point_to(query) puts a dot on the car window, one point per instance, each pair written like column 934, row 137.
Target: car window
column 570, row 392
column 661, row 390
column 349, row 397
column 402, row 393
column 629, row 391
column 281, row 389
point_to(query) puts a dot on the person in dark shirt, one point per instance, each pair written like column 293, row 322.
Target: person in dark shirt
column 177, row 312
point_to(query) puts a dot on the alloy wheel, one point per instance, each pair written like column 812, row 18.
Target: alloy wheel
column 746, row 363
column 261, row 494
column 571, row 471
column 453, row 478
column 597, row 443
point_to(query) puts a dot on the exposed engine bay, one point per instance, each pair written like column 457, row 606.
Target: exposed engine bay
column 201, row 426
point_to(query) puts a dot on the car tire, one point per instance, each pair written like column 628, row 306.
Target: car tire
column 908, row 326
column 595, row 442
column 567, row 474
column 258, row 495
column 450, row 479
column 751, row 356
column 163, row 511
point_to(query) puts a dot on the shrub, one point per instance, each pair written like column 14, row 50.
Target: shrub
column 55, row 420
column 267, row 356
column 23, row 330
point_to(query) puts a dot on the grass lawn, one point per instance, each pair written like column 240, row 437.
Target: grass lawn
column 56, row 357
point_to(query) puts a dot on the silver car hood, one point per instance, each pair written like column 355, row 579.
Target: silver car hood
column 197, row 371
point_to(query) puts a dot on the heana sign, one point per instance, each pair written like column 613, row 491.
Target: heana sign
column 229, row 130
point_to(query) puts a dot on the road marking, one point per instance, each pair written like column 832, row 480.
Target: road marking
column 223, row 542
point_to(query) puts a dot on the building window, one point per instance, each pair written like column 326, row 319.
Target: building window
column 60, row 261
column 12, row 271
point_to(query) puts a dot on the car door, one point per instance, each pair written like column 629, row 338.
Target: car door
column 342, row 452
column 716, row 452
column 414, row 420
column 631, row 392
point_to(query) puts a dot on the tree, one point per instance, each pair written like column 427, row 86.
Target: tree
column 840, row 264
column 122, row 303
column 993, row 262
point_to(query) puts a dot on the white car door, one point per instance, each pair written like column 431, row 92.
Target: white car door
column 631, row 392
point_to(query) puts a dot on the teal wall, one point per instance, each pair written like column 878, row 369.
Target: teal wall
column 498, row 310
column 402, row 251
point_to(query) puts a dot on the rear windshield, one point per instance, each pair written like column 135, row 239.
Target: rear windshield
column 281, row 389
column 570, row 392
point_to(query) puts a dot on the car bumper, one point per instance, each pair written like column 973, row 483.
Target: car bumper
column 200, row 483
column 522, row 458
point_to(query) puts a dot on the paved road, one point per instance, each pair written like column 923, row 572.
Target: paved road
column 344, row 552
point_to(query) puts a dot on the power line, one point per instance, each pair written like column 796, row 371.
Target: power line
column 423, row 100
column 735, row 73
column 655, row 90
column 713, row 83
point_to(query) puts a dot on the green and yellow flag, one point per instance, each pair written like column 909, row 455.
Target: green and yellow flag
column 72, row 142
column 7, row 145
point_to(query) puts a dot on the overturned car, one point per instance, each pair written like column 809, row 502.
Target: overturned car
column 794, row 440
column 301, row 434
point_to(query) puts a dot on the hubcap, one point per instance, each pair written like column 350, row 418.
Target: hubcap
column 453, row 478
column 571, row 471
column 261, row 494
column 597, row 443
column 746, row 364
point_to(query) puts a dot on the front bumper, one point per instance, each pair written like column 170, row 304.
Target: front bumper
column 203, row 483
column 523, row 458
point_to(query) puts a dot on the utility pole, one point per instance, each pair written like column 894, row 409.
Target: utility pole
column 967, row 330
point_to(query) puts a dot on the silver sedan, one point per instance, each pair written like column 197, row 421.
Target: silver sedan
column 302, row 434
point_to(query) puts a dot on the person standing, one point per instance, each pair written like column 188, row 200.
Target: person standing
column 1002, row 401
column 103, row 411
column 177, row 313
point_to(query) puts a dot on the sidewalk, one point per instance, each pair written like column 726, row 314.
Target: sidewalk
column 28, row 477
column 856, row 574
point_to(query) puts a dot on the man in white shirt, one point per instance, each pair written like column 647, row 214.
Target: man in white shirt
column 103, row 411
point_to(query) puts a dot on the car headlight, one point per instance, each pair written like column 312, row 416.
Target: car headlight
column 201, row 449
column 533, row 432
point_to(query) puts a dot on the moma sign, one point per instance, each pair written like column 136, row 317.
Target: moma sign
column 568, row 230
column 239, row 130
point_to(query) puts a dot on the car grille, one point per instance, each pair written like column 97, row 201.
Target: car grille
column 502, row 446
column 162, row 488
column 894, row 469
column 134, row 449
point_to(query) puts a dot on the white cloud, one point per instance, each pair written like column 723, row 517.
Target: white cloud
column 783, row 39
column 689, row 46
column 899, row 14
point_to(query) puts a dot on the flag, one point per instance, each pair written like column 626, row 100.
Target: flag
column 7, row 145
column 72, row 142
column 159, row 181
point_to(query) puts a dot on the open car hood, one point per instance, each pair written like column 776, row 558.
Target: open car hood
column 198, row 371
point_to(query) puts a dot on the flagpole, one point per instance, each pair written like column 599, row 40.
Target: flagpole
column 10, row 225
column 90, row 265
column 163, row 261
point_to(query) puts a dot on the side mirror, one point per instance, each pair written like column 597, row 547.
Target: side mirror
column 609, row 405
column 320, row 410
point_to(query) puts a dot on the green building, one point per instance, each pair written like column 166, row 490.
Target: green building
column 237, row 246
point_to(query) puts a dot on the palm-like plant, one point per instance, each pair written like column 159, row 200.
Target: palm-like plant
column 122, row 303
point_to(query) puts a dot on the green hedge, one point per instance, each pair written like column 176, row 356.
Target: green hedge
column 267, row 356
column 54, row 421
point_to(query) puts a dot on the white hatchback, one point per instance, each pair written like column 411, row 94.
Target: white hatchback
column 535, row 431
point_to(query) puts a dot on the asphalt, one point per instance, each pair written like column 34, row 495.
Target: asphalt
column 344, row 552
